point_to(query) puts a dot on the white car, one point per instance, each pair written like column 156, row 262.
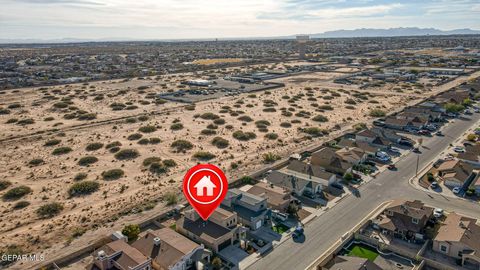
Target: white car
column 395, row 150
column 456, row 190
column 459, row 149
column 438, row 212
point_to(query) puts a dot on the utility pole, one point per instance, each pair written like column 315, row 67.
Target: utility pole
column 418, row 161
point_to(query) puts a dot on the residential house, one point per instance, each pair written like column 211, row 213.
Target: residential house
column 353, row 155
column 455, row 173
column 388, row 134
column 331, row 161
column 459, row 238
column 405, row 219
column 278, row 198
column 396, row 123
column 119, row 255
column 373, row 139
column 452, row 96
column 351, row 263
column 169, row 250
column 211, row 233
column 471, row 155
column 252, row 210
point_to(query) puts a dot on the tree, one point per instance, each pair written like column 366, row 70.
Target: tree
column 216, row 263
column 292, row 209
column 467, row 102
column 453, row 108
column 131, row 231
column 472, row 137
column 348, row 177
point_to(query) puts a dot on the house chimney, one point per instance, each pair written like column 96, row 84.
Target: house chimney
column 156, row 241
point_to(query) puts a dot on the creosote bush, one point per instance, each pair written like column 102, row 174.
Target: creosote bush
column 220, row 142
column 203, row 155
column 16, row 193
column 62, row 150
column 88, row 160
column 127, row 154
column 182, row 145
column 94, row 146
column 49, row 210
column 83, row 188
column 113, row 174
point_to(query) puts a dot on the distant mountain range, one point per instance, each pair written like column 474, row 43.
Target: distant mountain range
column 362, row 32
column 393, row 32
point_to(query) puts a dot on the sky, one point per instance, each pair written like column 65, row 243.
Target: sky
column 194, row 19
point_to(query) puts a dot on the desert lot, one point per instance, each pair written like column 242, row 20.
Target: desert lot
column 133, row 148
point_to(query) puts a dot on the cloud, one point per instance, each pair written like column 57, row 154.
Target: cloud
column 56, row 2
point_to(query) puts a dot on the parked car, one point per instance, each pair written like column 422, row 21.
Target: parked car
column 468, row 112
column 405, row 142
column 434, row 185
column 416, row 150
column 439, row 133
column 459, row 149
column 278, row 215
column 394, row 150
column 456, row 190
column 298, row 231
column 424, row 132
column 449, row 157
column 438, row 212
column 392, row 167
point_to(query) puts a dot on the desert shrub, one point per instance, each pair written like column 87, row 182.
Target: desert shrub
column 11, row 121
column 209, row 116
column 182, row 145
column 148, row 161
column 287, row 114
column 127, row 154
column 220, row 142
column 113, row 174
column 83, row 188
column 131, row 120
column 21, row 205
column 377, row 113
column 245, row 118
column 190, row 107
column 36, row 162
column 203, row 155
column 219, row 121
column 144, row 141
column 88, row 160
column 208, row 132
column 270, row 157
column 4, row 184
column 171, row 198
column 158, row 168
column 80, row 176
column 113, row 144
column 116, row 106
column 350, row 101
column 4, row 111
column 326, row 107
column 212, row 126
column 87, row 116
column 147, row 129
column 52, row 142
column 134, row 137
column 271, row 136
column 315, row 131
column 176, row 126
column 262, row 123
column 114, row 149
column 244, row 136
column 62, row 150
column 350, row 107
column 24, row 122
column 143, row 118
column 94, row 146
column 131, row 107
column 285, row 125
column 48, row 119
column 320, row 118
column 269, row 110
column 16, row 193
column 60, row 105
column 155, row 140
column 169, row 163
column 49, row 210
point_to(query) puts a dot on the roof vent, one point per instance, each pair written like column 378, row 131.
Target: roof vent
column 101, row 254
column 156, row 241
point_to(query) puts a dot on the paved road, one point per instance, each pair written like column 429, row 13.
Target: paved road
column 325, row 230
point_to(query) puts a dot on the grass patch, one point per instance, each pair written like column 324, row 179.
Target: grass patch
column 362, row 252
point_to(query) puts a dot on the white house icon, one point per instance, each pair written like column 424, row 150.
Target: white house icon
column 205, row 183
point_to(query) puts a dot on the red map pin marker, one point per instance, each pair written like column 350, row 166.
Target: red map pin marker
column 205, row 186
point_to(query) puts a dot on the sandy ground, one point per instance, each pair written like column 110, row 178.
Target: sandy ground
column 109, row 207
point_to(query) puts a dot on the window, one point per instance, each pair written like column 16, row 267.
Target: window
column 443, row 248
column 389, row 213
column 414, row 220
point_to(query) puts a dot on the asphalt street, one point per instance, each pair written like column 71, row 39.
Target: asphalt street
column 325, row 230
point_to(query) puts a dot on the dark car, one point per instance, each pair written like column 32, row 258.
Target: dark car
column 424, row 132
column 392, row 167
column 439, row 133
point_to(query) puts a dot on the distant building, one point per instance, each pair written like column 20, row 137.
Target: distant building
column 252, row 210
